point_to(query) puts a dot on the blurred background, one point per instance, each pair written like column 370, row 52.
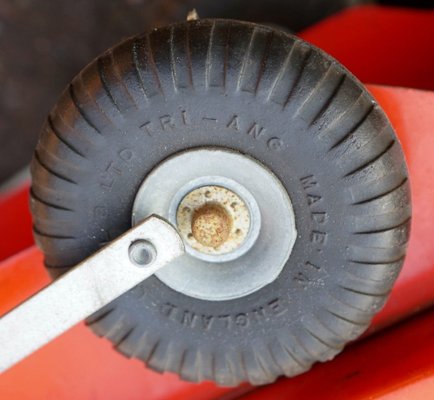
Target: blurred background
column 43, row 44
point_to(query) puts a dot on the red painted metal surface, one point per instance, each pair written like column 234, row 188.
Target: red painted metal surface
column 15, row 222
column 80, row 366
column 381, row 45
column 394, row 364
column 411, row 114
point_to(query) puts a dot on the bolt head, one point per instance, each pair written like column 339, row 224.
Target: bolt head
column 142, row 253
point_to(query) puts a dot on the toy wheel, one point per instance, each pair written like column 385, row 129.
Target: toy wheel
column 281, row 172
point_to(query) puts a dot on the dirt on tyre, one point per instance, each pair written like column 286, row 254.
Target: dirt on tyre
column 274, row 110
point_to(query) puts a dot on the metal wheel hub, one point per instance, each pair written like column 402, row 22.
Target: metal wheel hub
column 217, row 217
column 234, row 215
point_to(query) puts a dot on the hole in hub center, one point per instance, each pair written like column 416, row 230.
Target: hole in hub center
column 215, row 222
column 211, row 225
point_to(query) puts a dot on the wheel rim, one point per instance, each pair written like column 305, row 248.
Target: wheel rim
column 263, row 253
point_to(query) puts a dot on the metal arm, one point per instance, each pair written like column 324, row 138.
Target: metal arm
column 95, row 282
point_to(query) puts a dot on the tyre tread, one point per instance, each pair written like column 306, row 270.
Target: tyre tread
column 235, row 59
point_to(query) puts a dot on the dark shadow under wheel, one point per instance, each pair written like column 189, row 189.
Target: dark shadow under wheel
column 238, row 91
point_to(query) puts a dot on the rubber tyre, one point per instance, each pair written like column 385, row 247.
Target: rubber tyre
column 263, row 93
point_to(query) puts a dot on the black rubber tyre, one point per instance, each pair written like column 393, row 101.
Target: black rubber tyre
column 263, row 93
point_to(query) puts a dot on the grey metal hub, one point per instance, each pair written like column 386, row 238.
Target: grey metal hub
column 234, row 215
column 234, row 200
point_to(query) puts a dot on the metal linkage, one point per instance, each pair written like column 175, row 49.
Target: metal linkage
column 89, row 286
